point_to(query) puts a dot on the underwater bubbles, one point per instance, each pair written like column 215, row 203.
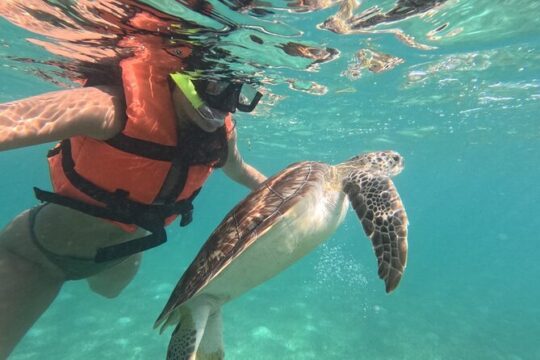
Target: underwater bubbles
column 336, row 268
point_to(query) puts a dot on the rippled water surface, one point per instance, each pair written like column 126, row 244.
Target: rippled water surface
column 454, row 86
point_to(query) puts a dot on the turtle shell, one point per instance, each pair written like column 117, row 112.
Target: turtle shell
column 244, row 224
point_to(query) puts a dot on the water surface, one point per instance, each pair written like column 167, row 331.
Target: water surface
column 455, row 89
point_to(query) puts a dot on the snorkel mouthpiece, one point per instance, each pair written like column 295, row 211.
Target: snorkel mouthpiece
column 211, row 118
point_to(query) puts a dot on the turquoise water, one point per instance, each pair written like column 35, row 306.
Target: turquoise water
column 465, row 118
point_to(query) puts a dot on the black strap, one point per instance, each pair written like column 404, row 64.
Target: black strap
column 93, row 210
column 117, row 205
column 143, row 148
column 131, row 247
column 84, row 185
column 151, row 218
column 148, row 217
column 157, row 236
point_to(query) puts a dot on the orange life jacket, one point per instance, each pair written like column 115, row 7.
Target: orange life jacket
column 121, row 179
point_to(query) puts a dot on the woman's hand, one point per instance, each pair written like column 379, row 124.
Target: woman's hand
column 238, row 170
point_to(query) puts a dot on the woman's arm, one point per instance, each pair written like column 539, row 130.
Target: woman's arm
column 97, row 112
column 238, row 170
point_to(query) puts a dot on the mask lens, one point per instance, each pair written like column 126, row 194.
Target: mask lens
column 217, row 94
column 216, row 88
column 227, row 96
column 248, row 98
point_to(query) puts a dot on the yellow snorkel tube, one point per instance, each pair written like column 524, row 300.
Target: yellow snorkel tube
column 186, row 86
column 210, row 118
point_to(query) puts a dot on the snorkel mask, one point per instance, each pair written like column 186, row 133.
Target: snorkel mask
column 217, row 95
column 227, row 96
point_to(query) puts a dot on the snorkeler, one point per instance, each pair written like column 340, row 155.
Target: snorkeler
column 137, row 142
column 131, row 159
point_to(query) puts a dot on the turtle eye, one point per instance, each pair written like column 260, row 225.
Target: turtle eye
column 396, row 158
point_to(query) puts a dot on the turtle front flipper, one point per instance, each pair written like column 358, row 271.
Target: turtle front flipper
column 198, row 335
column 379, row 208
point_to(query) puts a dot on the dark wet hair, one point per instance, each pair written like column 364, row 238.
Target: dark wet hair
column 204, row 148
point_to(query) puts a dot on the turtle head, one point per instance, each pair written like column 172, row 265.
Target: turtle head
column 388, row 163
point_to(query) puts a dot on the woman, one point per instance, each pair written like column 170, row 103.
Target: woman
column 77, row 235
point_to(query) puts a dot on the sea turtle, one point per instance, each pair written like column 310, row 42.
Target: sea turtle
column 278, row 223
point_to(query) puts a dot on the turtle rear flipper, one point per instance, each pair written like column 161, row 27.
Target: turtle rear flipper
column 198, row 335
column 211, row 347
column 379, row 208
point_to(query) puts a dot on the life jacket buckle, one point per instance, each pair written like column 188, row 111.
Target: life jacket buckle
column 186, row 217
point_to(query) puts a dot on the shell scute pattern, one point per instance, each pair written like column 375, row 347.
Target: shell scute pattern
column 250, row 219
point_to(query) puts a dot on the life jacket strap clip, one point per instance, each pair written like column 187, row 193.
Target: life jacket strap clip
column 186, row 218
